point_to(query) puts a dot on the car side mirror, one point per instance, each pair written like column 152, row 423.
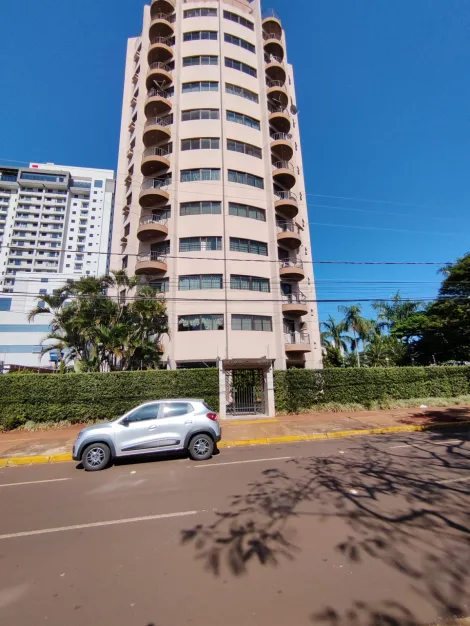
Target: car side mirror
column 126, row 421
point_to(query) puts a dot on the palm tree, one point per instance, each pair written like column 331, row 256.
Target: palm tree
column 360, row 327
column 395, row 312
column 333, row 336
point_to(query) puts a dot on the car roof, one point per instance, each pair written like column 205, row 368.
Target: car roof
column 175, row 400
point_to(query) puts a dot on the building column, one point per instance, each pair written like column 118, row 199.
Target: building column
column 222, row 396
column 270, row 401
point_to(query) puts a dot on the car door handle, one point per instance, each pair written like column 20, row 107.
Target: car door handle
column 153, row 427
column 189, row 422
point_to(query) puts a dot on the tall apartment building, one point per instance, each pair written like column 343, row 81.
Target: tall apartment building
column 210, row 200
column 55, row 224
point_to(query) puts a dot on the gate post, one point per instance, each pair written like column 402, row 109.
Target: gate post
column 270, row 400
column 222, row 393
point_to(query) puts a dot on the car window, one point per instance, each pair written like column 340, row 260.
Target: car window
column 148, row 412
column 177, row 408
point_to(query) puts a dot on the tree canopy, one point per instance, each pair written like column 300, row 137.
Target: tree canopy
column 97, row 332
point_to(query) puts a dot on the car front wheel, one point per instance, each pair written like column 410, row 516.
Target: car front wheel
column 201, row 447
column 96, row 457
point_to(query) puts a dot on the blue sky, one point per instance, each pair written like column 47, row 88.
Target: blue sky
column 384, row 100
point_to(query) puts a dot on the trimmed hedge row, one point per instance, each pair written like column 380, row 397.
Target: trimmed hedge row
column 80, row 397
column 298, row 389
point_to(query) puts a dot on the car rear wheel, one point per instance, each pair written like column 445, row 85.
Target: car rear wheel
column 201, row 447
column 96, row 457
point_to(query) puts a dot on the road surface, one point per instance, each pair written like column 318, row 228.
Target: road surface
column 353, row 532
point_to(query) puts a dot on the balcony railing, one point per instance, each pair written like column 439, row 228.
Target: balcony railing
column 157, row 121
column 161, row 152
column 271, row 58
column 154, row 219
column 297, row 337
column 294, row 298
column 155, row 183
column 270, row 13
column 283, row 165
column 281, row 137
column 7, row 178
column 285, row 195
column 80, row 184
column 276, row 109
column 159, row 93
column 167, row 41
column 152, row 256
column 287, row 227
column 164, row 16
column 267, row 36
column 291, row 263
column 158, row 65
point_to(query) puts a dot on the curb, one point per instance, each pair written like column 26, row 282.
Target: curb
column 61, row 458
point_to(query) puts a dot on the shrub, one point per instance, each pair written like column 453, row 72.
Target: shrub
column 94, row 396
column 298, row 389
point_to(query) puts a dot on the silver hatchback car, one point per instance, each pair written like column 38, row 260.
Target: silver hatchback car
column 161, row 426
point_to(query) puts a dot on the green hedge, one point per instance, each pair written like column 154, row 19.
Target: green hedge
column 80, row 397
column 298, row 389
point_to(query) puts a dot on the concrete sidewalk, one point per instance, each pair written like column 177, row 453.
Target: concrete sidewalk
column 20, row 446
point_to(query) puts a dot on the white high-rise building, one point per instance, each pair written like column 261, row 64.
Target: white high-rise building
column 210, row 202
column 55, row 225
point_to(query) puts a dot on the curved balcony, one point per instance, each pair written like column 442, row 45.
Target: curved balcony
column 274, row 68
column 155, row 161
column 273, row 44
column 288, row 235
column 162, row 6
column 285, row 204
column 160, row 50
column 161, row 25
column 152, row 227
column 151, row 263
column 158, row 74
column 279, row 119
column 154, row 192
column 156, row 130
column 282, row 146
column 271, row 22
column 158, row 103
column 291, row 269
column 283, row 174
column 277, row 91
column 297, row 342
column 295, row 304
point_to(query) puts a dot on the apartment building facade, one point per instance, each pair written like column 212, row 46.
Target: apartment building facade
column 55, row 225
column 210, row 198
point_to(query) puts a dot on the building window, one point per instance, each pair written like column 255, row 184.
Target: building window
column 199, row 114
column 197, row 244
column 203, row 207
column 161, row 285
column 200, row 13
column 242, row 92
column 201, row 60
column 249, row 283
column 238, row 19
column 44, row 280
column 201, row 85
column 201, row 143
column 188, row 176
column 241, row 67
column 5, row 304
column 200, row 281
column 240, row 118
column 200, row 322
column 239, row 42
column 245, row 179
column 124, row 262
column 245, row 210
column 244, row 148
column 98, row 183
column 249, row 246
column 127, row 230
column 252, row 322
column 195, row 35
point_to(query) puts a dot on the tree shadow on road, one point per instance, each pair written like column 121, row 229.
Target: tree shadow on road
column 394, row 511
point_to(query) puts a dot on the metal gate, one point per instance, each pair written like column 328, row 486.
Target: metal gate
column 245, row 391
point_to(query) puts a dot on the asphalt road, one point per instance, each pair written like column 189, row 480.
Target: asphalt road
column 354, row 532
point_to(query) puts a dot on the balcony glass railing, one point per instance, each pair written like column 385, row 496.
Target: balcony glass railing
column 7, row 178
column 80, row 184
column 287, row 227
column 167, row 41
column 50, row 178
column 283, row 165
column 297, row 337
column 153, row 219
column 294, row 298
column 152, row 256
column 164, row 16
column 156, row 183
column 161, row 152
column 281, row 137
column 158, row 65
column 158, row 121
column 270, row 35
